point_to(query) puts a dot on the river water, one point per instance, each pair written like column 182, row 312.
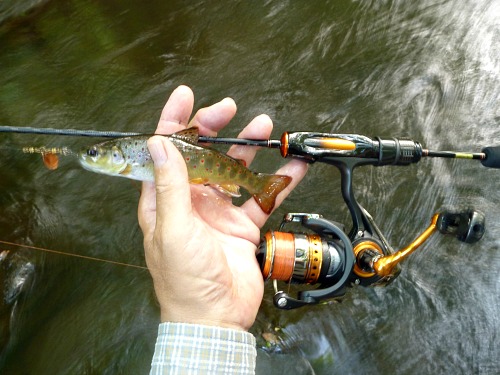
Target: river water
column 427, row 70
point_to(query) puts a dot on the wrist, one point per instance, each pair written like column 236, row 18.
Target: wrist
column 170, row 315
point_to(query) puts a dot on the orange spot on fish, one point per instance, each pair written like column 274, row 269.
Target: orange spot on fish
column 50, row 160
column 188, row 158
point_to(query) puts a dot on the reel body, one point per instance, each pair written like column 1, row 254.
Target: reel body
column 329, row 258
column 325, row 257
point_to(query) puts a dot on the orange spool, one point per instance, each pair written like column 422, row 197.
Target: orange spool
column 280, row 256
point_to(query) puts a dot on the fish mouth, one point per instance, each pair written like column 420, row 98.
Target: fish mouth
column 86, row 159
column 82, row 156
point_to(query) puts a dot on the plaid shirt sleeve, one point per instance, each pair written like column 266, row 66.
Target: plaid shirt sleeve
column 188, row 349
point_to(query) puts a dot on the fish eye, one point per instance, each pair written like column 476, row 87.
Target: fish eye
column 92, row 152
column 117, row 156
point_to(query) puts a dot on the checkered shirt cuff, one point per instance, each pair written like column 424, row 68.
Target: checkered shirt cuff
column 185, row 349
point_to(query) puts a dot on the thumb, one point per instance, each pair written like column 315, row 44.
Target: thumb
column 173, row 194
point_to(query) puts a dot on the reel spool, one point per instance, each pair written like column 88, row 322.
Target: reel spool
column 324, row 257
column 298, row 258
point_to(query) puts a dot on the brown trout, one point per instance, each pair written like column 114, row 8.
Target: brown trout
column 129, row 157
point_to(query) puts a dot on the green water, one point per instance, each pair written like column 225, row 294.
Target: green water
column 427, row 70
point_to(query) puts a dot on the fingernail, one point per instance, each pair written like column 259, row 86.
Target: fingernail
column 228, row 101
column 157, row 151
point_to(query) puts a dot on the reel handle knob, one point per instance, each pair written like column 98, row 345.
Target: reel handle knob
column 467, row 226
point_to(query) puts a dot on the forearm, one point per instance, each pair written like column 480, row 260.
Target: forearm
column 197, row 349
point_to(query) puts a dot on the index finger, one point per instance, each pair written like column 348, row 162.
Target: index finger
column 176, row 112
column 215, row 117
column 259, row 128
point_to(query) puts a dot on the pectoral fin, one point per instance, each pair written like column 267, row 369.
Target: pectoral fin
column 126, row 170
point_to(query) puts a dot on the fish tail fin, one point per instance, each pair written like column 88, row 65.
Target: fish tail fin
column 271, row 186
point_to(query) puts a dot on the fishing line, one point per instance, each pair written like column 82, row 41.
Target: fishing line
column 73, row 255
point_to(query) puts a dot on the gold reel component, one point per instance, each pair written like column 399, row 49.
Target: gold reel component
column 371, row 261
column 384, row 266
column 369, row 248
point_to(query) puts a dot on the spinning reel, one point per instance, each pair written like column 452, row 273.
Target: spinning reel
column 324, row 253
column 327, row 255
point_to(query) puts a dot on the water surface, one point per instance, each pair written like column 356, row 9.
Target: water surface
column 427, row 70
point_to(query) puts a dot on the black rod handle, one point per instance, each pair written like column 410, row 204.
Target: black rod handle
column 492, row 159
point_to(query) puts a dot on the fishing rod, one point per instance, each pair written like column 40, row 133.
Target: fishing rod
column 307, row 145
column 323, row 252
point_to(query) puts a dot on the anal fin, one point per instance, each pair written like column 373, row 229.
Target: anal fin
column 198, row 181
column 231, row 190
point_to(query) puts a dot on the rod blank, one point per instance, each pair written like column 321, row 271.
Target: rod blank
column 454, row 155
column 68, row 132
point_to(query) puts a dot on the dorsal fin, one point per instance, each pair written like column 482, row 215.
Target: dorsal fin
column 189, row 135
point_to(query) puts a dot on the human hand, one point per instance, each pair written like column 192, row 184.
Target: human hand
column 199, row 247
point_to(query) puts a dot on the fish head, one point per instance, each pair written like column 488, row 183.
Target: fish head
column 106, row 159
